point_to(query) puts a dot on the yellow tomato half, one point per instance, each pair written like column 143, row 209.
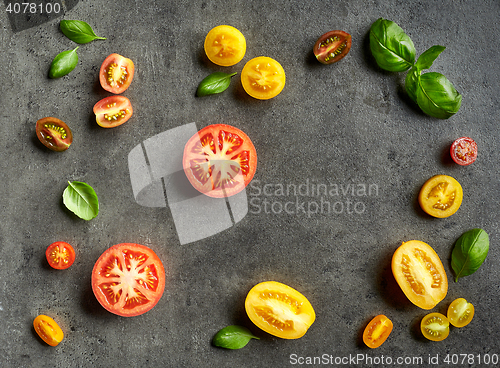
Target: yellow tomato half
column 263, row 78
column 435, row 327
column 441, row 196
column 377, row 331
column 225, row 45
column 48, row 330
column 460, row 312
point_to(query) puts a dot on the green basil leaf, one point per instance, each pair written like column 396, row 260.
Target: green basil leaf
column 233, row 337
column 63, row 63
column 469, row 252
column 78, row 31
column 391, row 47
column 436, row 96
column 214, row 83
column 81, row 199
column 427, row 58
column 411, row 83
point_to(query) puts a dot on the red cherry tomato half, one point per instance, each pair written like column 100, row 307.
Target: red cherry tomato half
column 128, row 279
column 113, row 111
column 464, row 151
column 60, row 255
column 116, row 73
column 54, row 134
column 332, row 46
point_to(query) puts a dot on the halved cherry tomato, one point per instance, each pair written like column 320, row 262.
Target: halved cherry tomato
column 377, row 331
column 460, row 312
column 263, row 78
column 225, row 45
column 113, row 111
column 54, row 134
column 220, row 160
column 60, row 255
column 464, row 151
column 332, row 46
column 419, row 272
column 435, row 326
column 116, row 73
column 128, row 279
column 441, row 196
column 279, row 310
column 48, row 330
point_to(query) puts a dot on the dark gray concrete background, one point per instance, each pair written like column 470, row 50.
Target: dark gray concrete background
column 348, row 123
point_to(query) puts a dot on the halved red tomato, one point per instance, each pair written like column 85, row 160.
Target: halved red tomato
column 54, row 134
column 220, row 160
column 116, row 73
column 60, row 255
column 128, row 279
column 113, row 111
column 464, row 151
column 332, row 46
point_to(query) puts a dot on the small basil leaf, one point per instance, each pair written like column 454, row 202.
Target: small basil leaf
column 427, row 58
column 63, row 63
column 81, row 199
column 233, row 337
column 214, row 83
column 436, row 96
column 391, row 47
column 411, row 83
column 78, row 31
column 470, row 252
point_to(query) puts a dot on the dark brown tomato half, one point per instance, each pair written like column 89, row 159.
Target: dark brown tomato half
column 54, row 134
column 332, row 46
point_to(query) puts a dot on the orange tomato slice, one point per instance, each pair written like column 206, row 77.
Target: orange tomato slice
column 377, row 331
column 441, row 196
column 225, row 45
column 48, row 330
column 263, row 78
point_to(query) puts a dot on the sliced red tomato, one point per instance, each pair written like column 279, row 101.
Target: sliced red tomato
column 113, row 111
column 332, row 46
column 464, row 151
column 60, row 255
column 54, row 134
column 48, row 330
column 116, row 73
column 220, row 160
column 128, row 279
column 377, row 331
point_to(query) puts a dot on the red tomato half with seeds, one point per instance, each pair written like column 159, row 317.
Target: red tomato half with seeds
column 128, row 279
column 464, row 151
column 60, row 255
column 113, row 111
column 220, row 160
column 116, row 73
column 54, row 134
column 332, row 46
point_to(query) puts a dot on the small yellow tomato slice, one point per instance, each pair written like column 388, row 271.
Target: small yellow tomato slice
column 279, row 310
column 263, row 78
column 377, row 331
column 441, row 196
column 435, row 326
column 225, row 45
column 48, row 330
column 460, row 312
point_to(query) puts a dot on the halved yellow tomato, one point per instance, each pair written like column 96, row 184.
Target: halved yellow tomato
column 279, row 310
column 441, row 196
column 377, row 331
column 460, row 312
column 48, row 330
column 419, row 272
column 263, row 78
column 435, row 326
column 225, row 45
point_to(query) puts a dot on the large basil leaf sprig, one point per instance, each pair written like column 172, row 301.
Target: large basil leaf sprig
column 470, row 252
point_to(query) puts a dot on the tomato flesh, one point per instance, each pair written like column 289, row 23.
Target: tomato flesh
column 220, row 160
column 113, row 111
column 377, row 331
column 116, row 73
column 441, row 196
column 128, row 279
column 60, row 255
column 460, row 312
column 332, row 46
column 48, row 330
column 54, row 134
column 435, row 327
column 263, row 78
column 464, row 151
column 225, row 45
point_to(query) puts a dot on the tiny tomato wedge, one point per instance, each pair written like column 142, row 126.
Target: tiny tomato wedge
column 128, row 279
column 116, row 73
column 113, row 111
column 435, row 326
column 419, row 272
column 460, row 312
column 225, row 45
column 332, row 46
column 263, row 78
column 377, row 331
column 279, row 310
column 464, row 151
column 441, row 196
column 54, row 134
column 220, row 160
column 60, row 255
column 48, row 330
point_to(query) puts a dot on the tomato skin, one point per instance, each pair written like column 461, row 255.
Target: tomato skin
column 332, row 46
column 460, row 312
column 116, row 73
column 377, row 331
column 48, row 330
column 113, row 111
column 263, row 78
column 225, row 45
column 60, row 255
column 54, row 134
column 464, row 151
column 435, row 327
column 441, row 196
column 419, row 272
column 279, row 310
